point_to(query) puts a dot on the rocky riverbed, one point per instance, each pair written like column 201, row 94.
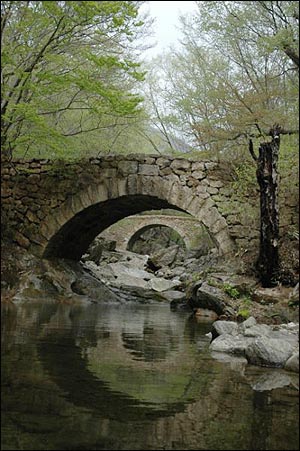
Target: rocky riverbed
column 256, row 325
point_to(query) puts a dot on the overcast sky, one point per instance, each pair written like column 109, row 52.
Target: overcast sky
column 166, row 15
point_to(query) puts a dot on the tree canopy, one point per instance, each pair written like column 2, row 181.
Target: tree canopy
column 68, row 68
column 235, row 74
column 72, row 82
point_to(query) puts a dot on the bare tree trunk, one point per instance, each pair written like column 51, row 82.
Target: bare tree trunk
column 267, row 177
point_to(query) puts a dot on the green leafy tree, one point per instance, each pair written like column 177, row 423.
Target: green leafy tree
column 69, row 68
column 235, row 74
column 234, row 77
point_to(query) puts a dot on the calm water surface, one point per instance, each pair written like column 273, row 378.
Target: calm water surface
column 133, row 377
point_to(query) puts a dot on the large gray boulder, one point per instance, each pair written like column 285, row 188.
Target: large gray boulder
column 208, row 297
column 230, row 344
column 164, row 257
column 265, row 351
column 224, row 327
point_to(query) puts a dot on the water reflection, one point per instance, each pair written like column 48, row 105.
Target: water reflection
column 131, row 376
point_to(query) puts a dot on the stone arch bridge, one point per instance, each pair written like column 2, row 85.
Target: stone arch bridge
column 125, row 232
column 57, row 208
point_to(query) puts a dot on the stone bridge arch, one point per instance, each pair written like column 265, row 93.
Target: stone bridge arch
column 57, row 208
column 128, row 230
column 82, row 217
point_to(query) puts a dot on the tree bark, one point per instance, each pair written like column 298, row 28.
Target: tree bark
column 267, row 177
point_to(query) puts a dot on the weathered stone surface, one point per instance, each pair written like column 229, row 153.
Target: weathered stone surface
column 148, row 169
column 22, row 240
column 180, row 165
column 272, row 346
column 292, row 363
column 230, row 344
column 271, row 352
column 68, row 190
column 198, row 166
column 128, row 167
column 224, row 327
column 164, row 257
column 160, row 284
column 209, row 297
column 199, row 175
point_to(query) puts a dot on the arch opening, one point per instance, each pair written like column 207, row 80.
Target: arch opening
column 151, row 238
column 72, row 240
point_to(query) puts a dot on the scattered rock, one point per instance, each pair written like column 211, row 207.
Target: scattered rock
column 265, row 351
column 208, row 297
column 270, row 295
column 292, row 363
column 224, row 327
column 261, row 344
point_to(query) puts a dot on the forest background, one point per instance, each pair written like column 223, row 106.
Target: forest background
column 75, row 83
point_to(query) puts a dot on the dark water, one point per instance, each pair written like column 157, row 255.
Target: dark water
column 133, row 376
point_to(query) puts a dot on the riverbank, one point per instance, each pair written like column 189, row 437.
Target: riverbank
column 241, row 295
column 246, row 318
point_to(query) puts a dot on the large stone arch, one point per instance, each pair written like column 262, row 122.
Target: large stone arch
column 71, row 227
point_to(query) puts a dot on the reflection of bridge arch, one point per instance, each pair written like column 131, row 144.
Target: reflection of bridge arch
column 98, row 387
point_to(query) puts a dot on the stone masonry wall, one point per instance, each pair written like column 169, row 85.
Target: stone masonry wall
column 40, row 196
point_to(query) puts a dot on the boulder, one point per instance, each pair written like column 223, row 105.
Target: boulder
column 160, row 284
column 208, row 297
column 272, row 352
column 230, row 344
column 224, row 327
column 261, row 344
column 292, row 363
column 164, row 257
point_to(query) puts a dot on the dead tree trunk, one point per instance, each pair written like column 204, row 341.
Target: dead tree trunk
column 267, row 177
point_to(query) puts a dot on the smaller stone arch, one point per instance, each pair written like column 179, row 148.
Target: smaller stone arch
column 182, row 241
column 193, row 232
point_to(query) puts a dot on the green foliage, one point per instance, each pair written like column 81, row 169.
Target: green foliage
column 244, row 313
column 288, row 166
column 247, row 301
column 213, row 283
column 67, row 70
column 233, row 77
column 293, row 303
column 231, row 291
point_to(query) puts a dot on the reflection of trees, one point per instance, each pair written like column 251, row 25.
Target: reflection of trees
column 53, row 400
column 70, row 372
column 261, row 422
column 195, row 330
column 8, row 327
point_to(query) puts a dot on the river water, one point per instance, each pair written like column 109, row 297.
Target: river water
column 133, row 376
